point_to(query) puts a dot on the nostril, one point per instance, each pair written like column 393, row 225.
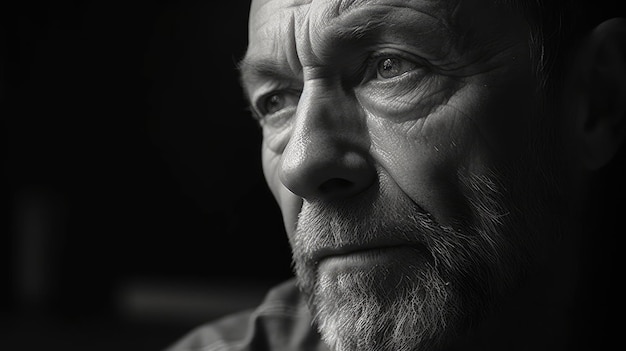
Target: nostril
column 334, row 185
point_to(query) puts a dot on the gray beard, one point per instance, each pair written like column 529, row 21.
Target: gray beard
column 447, row 283
column 363, row 311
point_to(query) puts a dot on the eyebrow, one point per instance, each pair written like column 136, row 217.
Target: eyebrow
column 410, row 26
column 254, row 70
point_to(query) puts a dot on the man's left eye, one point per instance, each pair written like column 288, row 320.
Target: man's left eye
column 390, row 67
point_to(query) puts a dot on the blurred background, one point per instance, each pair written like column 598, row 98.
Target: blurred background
column 135, row 207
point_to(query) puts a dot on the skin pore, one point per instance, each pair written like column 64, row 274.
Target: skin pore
column 417, row 182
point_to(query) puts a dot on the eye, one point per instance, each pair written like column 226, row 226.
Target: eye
column 391, row 66
column 276, row 101
column 273, row 103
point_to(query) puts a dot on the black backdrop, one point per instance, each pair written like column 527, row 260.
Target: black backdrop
column 130, row 154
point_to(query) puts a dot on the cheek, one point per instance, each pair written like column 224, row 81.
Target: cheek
column 271, row 162
column 426, row 158
column 289, row 203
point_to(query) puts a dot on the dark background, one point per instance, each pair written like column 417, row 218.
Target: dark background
column 135, row 203
column 134, row 206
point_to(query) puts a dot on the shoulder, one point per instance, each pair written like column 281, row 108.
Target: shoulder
column 281, row 322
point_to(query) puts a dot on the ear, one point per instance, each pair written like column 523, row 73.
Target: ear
column 597, row 94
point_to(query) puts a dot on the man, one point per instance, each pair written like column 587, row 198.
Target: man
column 434, row 161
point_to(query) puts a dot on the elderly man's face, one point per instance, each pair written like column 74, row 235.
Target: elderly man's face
column 399, row 141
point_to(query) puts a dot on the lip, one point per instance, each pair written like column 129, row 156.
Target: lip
column 348, row 250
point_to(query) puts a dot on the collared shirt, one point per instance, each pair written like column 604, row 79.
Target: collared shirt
column 281, row 322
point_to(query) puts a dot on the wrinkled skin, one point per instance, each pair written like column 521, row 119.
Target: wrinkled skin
column 404, row 144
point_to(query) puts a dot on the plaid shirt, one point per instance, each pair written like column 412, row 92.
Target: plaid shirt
column 281, row 322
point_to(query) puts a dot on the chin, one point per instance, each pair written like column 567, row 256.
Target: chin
column 401, row 305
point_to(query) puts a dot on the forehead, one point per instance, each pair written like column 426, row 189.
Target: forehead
column 315, row 13
column 296, row 33
column 277, row 21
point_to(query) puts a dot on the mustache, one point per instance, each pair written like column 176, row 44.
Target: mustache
column 335, row 226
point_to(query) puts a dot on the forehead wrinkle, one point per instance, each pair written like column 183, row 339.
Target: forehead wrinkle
column 264, row 12
column 292, row 46
column 380, row 16
column 272, row 51
column 350, row 26
column 318, row 26
column 438, row 9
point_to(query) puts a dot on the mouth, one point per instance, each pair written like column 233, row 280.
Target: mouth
column 388, row 263
column 373, row 252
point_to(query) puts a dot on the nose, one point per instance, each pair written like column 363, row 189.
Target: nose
column 327, row 155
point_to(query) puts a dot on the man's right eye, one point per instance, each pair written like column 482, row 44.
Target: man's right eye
column 276, row 101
